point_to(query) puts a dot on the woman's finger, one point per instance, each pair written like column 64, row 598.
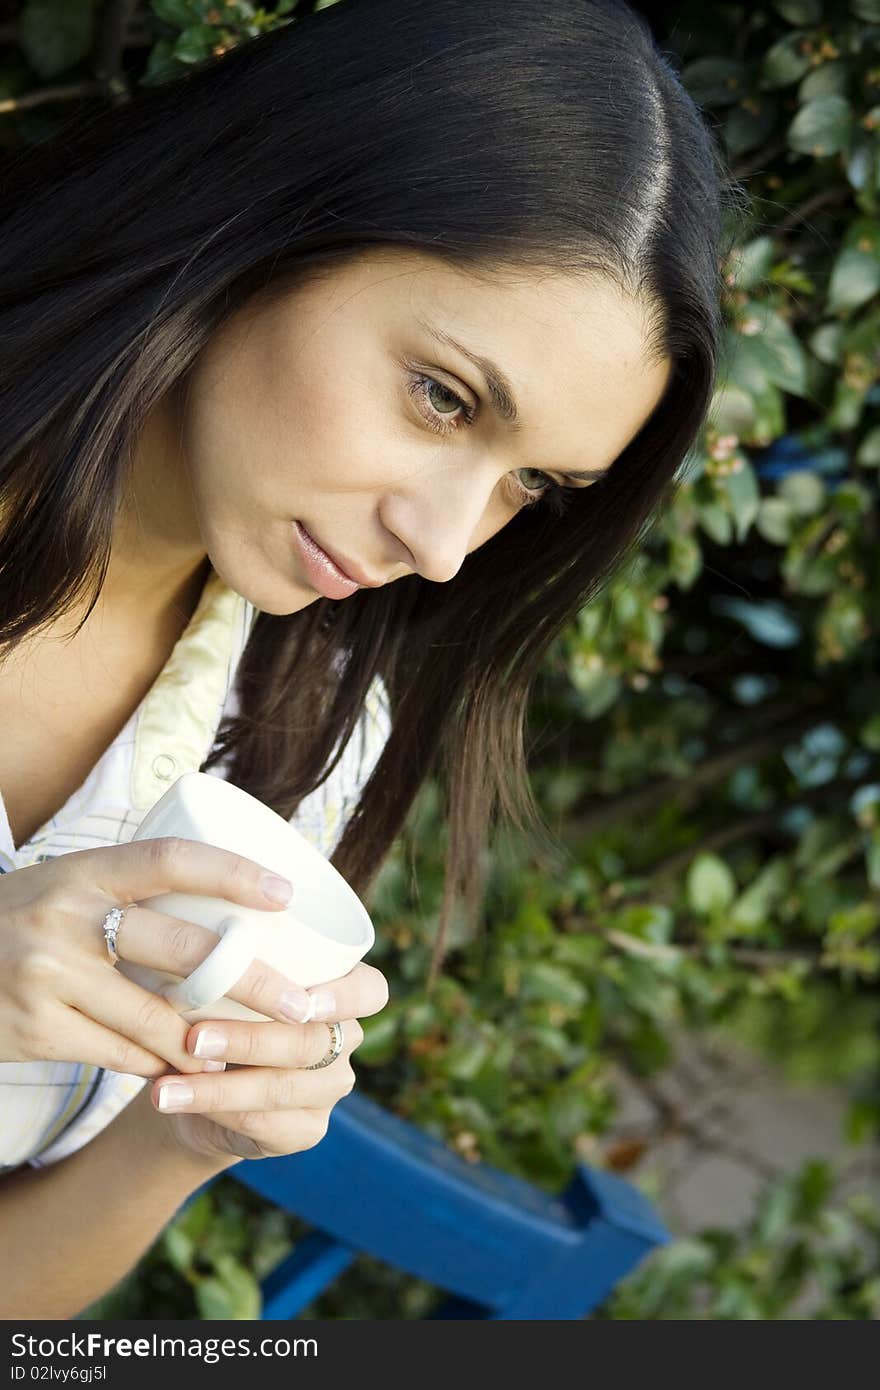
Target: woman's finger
column 80, row 1039
column 136, row 1018
column 251, row 1133
column 257, row 1088
column 359, row 994
column 173, row 945
column 266, row 1044
column 144, row 869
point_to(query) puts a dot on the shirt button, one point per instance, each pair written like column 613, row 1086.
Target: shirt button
column 164, row 767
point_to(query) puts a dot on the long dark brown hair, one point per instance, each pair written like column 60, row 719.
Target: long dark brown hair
column 502, row 134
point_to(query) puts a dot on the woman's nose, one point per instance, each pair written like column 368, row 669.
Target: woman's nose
column 444, row 517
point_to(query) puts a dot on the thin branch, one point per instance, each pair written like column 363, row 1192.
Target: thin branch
column 672, row 1123
column 826, row 197
column 714, row 769
column 67, row 92
column 765, row 156
column 741, row 955
column 676, row 864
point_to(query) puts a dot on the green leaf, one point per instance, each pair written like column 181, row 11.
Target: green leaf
column 869, row 734
column 792, row 277
column 685, row 560
column 785, row 62
column 826, row 342
column 799, row 11
column 178, row 13
column 195, row 43
column 598, row 689
column 847, row 405
column 776, row 1211
column 196, row 1217
column 380, row 1036
column 828, row 80
column 553, row 984
column 717, row 523
column 213, row 1299
column 245, row 1299
column 748, row 124
column 161, row 66
column 866, row 9
column 858, row 923
column 768, row 622
column 178, row 1247
column 711, row 887
column 863, row 161
column 855, row 278
column 650, row 921
column 862, row 1121
column 775, row 520
column 753, row 908
column 868, row 453
column 763, row 359
column 769, row 416
column 872, row 862
column 787, row 366
column 466, row 1057
column 804, row 492
column 55, row 35
column 733, row 410
column 714, row 81
column 744, row 497
column 751, row 263
column 679, row 1265
column 822, row 127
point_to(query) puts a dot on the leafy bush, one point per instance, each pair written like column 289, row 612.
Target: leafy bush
column 705, row 739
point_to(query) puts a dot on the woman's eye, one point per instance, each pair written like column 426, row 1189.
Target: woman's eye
column 534, row 491
column 426, row 391
column 439, row 403
column 552, row 494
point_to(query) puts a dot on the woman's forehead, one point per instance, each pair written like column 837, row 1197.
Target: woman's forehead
column 561, row 358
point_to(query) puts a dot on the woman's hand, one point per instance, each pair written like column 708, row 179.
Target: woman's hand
column 267, row 1104
column 62, row 999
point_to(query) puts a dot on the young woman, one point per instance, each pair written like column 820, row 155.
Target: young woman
column 337, row 376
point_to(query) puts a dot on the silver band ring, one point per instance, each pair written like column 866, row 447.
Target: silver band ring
column 110, row 926
column 337, row 1042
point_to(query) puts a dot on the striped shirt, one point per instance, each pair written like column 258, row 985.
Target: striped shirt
column 50, row 1109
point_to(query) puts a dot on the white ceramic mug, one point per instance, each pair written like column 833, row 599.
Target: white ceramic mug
column 321, row 935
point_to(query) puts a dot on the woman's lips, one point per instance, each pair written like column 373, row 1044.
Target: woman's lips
column 323, row 575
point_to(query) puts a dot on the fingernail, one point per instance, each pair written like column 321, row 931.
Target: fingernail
column 277, row 890
column 214, row 1066
column 174, row 1095
column 211, row 1043
column 296, row 1005
column 323, row 1004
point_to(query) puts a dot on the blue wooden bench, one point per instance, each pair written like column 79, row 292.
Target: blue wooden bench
column 499, row 1246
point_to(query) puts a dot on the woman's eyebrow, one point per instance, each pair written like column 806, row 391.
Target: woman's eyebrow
column 500, row 389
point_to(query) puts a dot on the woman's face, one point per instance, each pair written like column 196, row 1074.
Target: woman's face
column 345, row 406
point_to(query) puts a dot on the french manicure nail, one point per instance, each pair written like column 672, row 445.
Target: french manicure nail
column 174, row 1095
column 323, row 1004
column 277, row 890
column 295, row 1004
column 211, row 1043
column 214, row 1066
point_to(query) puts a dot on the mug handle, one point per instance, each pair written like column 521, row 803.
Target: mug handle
column 219, row 972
